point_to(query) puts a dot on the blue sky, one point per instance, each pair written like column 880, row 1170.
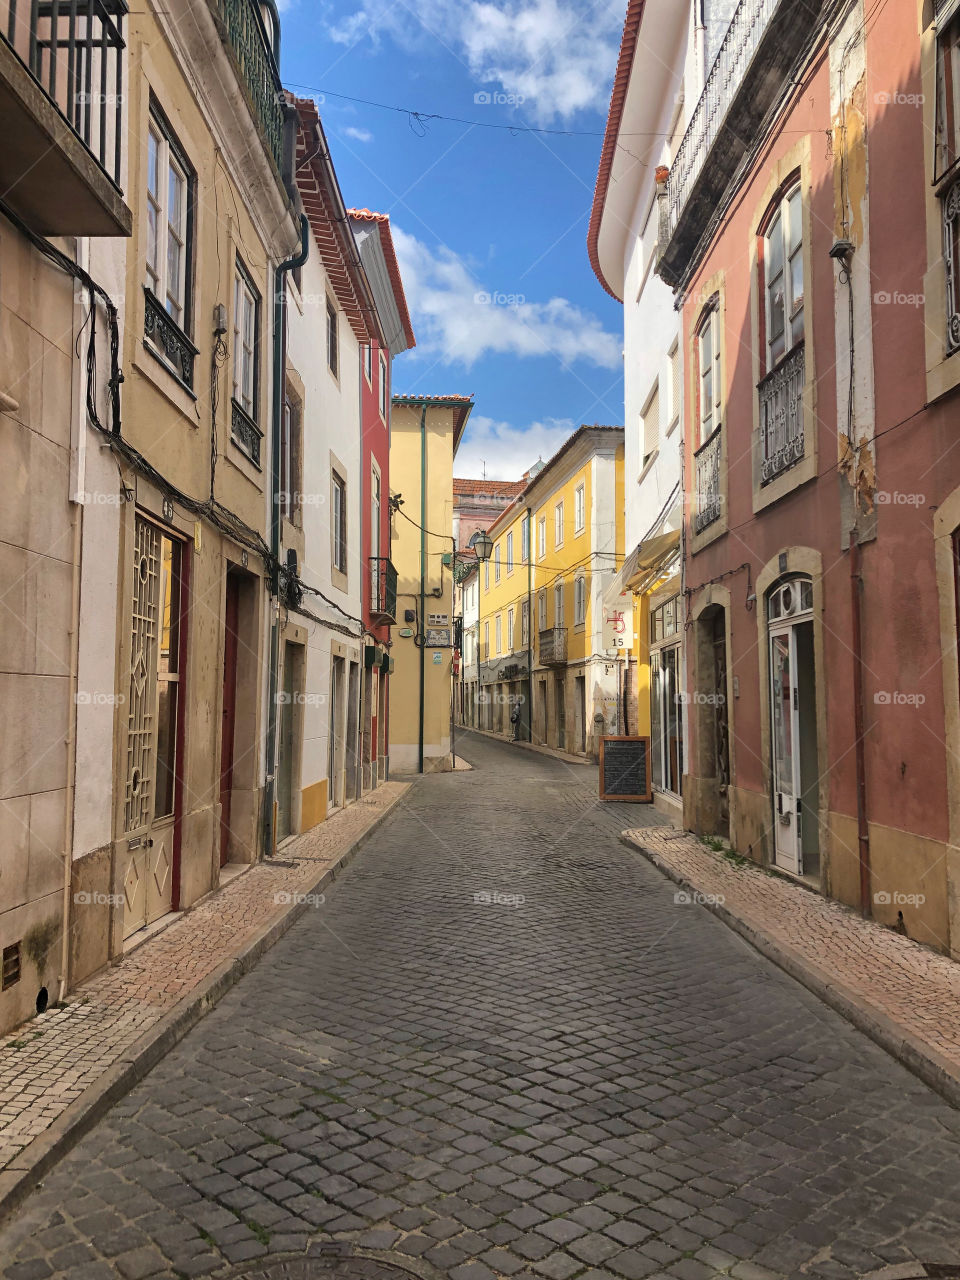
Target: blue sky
column 490, row 225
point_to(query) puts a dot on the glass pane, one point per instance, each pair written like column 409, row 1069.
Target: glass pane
column 782, row 694
column 170, row 607
column 153, row 219
column 672, row 713
column 174, row 261
column 175, row 206
column 656, row 719
column 774, row 263
column 153, row 164
column 796, row 220
column 796, row 279
column 166, row 747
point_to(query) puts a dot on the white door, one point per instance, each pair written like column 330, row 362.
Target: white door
column 785, row 717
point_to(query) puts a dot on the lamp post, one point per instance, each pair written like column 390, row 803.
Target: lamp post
column 483, row 546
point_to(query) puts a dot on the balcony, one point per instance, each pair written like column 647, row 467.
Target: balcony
column 244, row 33
column 781, row 416
column 553, row 647
column 709, row 500
column 61, row 102
column 383, row 591
column 168, row 341
column 755, row 62
column 245, row 433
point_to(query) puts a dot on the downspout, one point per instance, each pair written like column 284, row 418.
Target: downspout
column 529, row 624
column 863, row 829
column 279, row 342
column 423, row 567
column 71, row 750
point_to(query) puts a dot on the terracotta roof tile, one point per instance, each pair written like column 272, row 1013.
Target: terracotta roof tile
column 393, row 267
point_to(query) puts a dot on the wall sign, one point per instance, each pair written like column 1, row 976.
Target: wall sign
column 625, row 769
column 438, row 638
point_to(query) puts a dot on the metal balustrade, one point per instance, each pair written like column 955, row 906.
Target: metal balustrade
column 708, row 496
column 781, row 416
column 247, row 35
column 383, row 589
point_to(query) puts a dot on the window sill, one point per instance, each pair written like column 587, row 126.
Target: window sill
column 159, row 374
column 648, row 466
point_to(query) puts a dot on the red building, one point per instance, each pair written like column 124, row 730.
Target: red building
column 809, row 225
column 378, row 257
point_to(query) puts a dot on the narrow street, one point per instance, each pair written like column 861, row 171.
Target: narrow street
column 501, row 1048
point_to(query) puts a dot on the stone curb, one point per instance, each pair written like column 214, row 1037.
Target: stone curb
column 25, row 1170
column 908, row 1049
column 565, row 757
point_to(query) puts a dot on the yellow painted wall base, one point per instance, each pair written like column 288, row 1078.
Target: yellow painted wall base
column 314, row 804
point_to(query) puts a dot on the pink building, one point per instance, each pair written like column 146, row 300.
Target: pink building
column 809, row 225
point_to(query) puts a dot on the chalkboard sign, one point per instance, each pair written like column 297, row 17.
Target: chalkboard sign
column 625, row 769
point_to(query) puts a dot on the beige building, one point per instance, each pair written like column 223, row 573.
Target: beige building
column 426, row 433
column 63, row 219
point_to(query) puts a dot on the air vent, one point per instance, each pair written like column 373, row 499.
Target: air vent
column 11, row 966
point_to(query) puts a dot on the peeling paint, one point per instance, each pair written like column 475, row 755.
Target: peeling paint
column 850, row 165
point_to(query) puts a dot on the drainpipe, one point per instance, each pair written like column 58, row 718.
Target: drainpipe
column 423, row 566
column 529, row 624
column 863, row 829
column 279, row 335
column 71, row 750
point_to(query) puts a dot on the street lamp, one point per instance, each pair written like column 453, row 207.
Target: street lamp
column 483, row 545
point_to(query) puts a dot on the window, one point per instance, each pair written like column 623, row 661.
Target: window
column 676, row 386
column 558, row 605
column 384, row 388
column 558, row 525
column 510, row 552
column 948, row 93
column 579, row 509
column 499, row 633
column 368, row 362
column 246, row 343
column 541, row 537
column 580, row 601
column 510, row 621
column 376, row 514
column 650, row 426
column 496, row 563
column 486, row 640
column 525, row 540
column 486, row 575
column 708, row 370
column 339, row 526
column 169, row 250
column 169, row 215
column 333, row 340
column 525, row 623
column 783, row 279
column 290, row 455
column 542, row 610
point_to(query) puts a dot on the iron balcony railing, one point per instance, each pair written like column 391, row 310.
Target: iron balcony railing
column 950, row 211
column 169, row 340
column 781, row 416
column 383, row 589
column 74, row 50
column 246, row 435
column 553, row 647
column 749, row 22
column 246, row 34
column 708, row 496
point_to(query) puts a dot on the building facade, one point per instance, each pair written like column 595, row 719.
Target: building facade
column 425, row 434
column 818, row 338
column 546, row 645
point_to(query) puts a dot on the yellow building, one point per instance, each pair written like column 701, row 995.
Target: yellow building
column 547, row 645
column 425, row 434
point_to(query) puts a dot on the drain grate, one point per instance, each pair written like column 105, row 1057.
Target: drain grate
column 326, row 1267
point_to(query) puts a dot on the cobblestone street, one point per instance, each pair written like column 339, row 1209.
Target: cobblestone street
column 501, row 1048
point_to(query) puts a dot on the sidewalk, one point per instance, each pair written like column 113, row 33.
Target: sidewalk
column 902, row 995
column 61, row 1071
column 567, row 756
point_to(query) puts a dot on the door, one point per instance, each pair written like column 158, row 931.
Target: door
column 337, row 725
column 785, row 704
column 721, row 725
column 561, row 714
column 152, row 793
column 581, row 709
column 287, row 742
column 229, row 719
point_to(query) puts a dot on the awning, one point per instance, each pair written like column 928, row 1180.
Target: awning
column 644, row 566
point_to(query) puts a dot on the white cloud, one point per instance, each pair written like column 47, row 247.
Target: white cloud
column 500, row 451
column 460, row 320
column 359, row 135
column 550, row 57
